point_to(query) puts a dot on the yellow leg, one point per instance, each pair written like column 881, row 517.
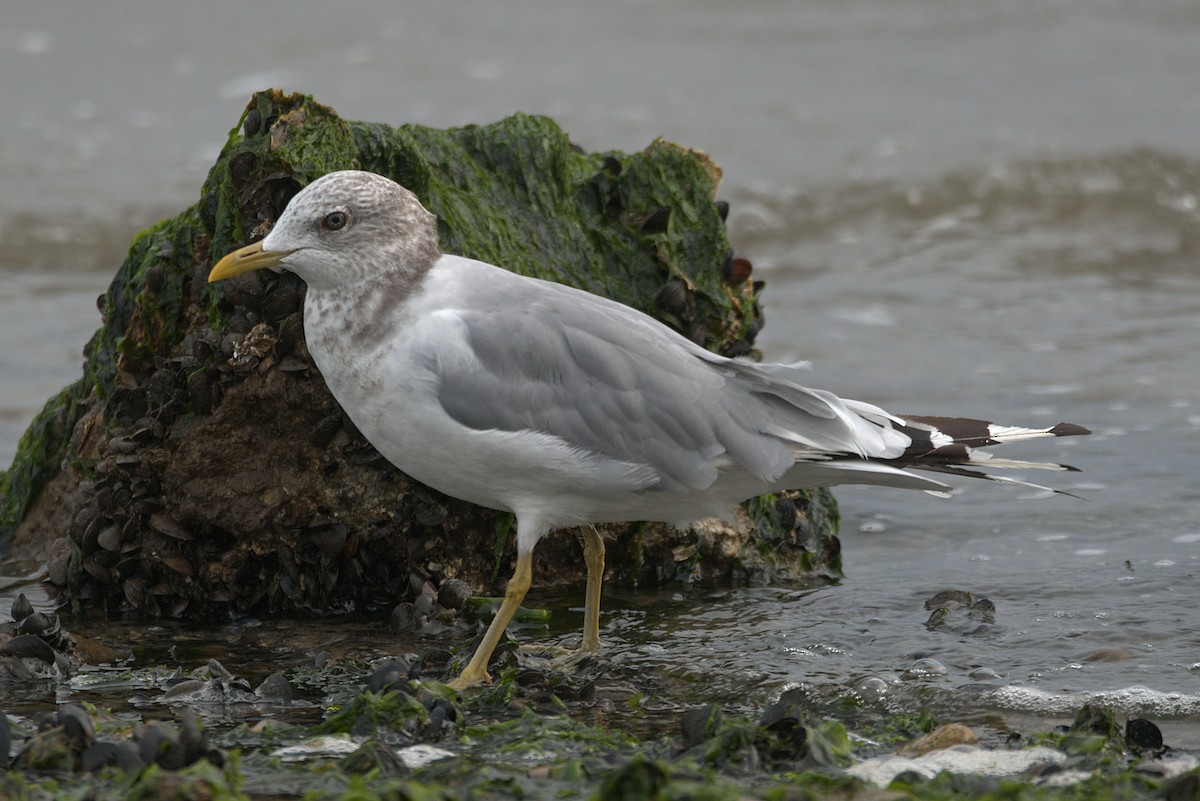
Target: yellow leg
column 476, row 670
column 555, row 657
column 593, row 557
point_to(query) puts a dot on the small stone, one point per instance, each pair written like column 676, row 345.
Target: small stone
column 77, row 725
column 700, row 724
column 405, row 617
column 394, row 674
column 950, row 598
column 453, row 593
column 1142, row 735
column 275, row 688
column 946, row 736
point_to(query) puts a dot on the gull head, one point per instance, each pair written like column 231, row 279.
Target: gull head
column 341, row 229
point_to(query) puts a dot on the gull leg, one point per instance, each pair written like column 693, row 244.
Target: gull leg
column 555, row 657
column 593, row 557
column 476, row 670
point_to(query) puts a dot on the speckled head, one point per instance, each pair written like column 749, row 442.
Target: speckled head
column 344, row 228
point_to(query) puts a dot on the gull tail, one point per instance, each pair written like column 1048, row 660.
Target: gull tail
column 950, row 445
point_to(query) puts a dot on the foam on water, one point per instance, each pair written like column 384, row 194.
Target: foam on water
column 1127, row 701
column 961, row 759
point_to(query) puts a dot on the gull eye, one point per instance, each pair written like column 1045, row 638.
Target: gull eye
column 335, row 221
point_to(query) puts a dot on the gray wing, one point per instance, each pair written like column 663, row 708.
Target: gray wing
column 608, row 379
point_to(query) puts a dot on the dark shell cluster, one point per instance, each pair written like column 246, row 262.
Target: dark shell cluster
column 219, row 686
column 677, row 300
column 64, row 740
column 786, row 736
column 401, row 676
column 961, row 612
column 35, row 646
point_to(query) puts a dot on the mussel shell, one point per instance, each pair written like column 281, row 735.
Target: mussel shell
column 28, row 645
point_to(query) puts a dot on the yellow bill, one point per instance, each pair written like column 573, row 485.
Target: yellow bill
column 243, row 260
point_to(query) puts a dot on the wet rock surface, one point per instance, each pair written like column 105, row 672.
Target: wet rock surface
column 279, row 716
column 960, row 612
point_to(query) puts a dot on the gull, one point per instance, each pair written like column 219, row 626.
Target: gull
column 562, row 407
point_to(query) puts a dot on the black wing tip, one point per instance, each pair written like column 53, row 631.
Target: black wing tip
column 1069, row 430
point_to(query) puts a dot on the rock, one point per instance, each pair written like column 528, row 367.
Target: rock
column 394, row 674
column 1143, row 735
column 201, row 466
column 945, row 736
column 453, row 594
column 698, row 724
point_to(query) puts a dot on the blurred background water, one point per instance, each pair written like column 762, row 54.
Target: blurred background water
column 987, row 209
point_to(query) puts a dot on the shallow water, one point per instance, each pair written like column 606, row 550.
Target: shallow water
column 990, row 210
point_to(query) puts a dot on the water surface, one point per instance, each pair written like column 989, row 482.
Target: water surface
column 985, row 209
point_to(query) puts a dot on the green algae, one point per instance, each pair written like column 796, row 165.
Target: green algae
column 1127, row 786
column 796, row 520
column 484, row 607
column 895, row 730
column 368, row 712
column 643, row 779
column 512, row 752
column 534, row 735
column 37, row 459
column 201, row 781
